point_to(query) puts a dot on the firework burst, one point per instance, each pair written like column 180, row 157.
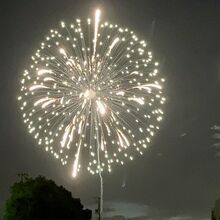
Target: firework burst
column 92, row 89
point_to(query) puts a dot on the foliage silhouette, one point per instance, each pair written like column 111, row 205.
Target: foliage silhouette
column 216, row 210
column 42, row 199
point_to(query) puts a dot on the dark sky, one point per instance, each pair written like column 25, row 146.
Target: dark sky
column 180, row 174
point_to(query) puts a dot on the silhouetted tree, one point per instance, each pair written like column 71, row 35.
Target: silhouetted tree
column 42, row 199
column 216, row 210
column 213, row 217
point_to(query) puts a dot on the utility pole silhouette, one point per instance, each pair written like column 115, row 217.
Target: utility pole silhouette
column 98, row 211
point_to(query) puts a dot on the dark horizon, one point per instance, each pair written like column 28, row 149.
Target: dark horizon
column 179, row 174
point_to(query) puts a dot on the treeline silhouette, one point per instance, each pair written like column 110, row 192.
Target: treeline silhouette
column 41, row 199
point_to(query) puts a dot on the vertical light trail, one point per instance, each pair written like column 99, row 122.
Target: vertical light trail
column 101, row 178
column 97, row 20
column 76, row 162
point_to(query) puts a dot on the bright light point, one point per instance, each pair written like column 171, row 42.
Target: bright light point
column 62, row 24
column 89, row 94
column 122, row 93
column 62, row 51
column 97, row 14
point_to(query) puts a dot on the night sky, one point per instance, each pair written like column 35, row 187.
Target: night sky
column 179, row 175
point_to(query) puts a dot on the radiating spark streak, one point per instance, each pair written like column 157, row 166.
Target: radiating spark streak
column 40, row 101
column 122, row 93
column 116, row 40
column 62, row 100
column 113, row 116
column 138, row 100
column 97, row 20
column 134, row 73
column 48, row 103
column 62, row 51
column 44, row 71
column 71, row 62
column 102, row 144
column 148, row 86
column 76, row 162
column 122, row 139
column 108, row 129
column 71, row 136
column 37, row 87
column 101, row 107
column 121, row 142
column 65, row 136
column 80, row 127
column 84, row 103
column 46, row 79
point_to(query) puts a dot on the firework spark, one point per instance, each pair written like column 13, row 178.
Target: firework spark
column 92, row 89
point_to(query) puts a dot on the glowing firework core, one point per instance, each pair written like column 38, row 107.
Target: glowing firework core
column 89, row 94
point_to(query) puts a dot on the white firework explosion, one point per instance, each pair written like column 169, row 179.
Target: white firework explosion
column 92, row 89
